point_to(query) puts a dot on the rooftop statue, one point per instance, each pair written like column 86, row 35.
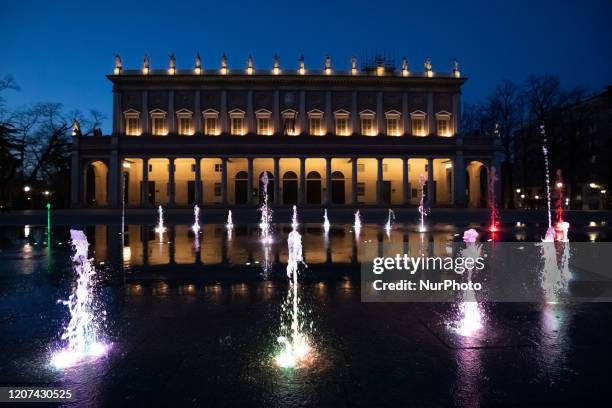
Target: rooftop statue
column 327, row 62
column 250, row 61
column 172, row 61
column 405, row 64
column 118, row 62
column 224, row 61
column 428, row 65
column 354, row 63
column 276, row 61
column 198, row 61
column 76, row 128
column 146, row 63
column 301, row 62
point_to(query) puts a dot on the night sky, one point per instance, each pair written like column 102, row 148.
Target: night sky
column 60, row 50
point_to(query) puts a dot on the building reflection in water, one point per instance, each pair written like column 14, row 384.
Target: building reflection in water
column 142, row 249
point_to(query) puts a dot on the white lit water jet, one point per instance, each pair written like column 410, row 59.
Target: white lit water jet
column 230, row 223
column 422, row 210
column 160, row 229
column 196, row 219
column 266, row 213
column 82, row 339
column 547, row 179
column 357, row 224
column 294, row 219
column 390, row 220
column 326, row 223
column 295, row 348
column 469, row 311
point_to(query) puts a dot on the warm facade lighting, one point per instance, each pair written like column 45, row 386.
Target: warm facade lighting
column 430, row 74
column 354, row 65
column 328, row 69
column 405, row 71
column 171, row 64
column 224, row 69
column 448, row 165
column 380, row 70
column 276, row 68
column 250, row 69
column 198, row 64
column 126, row 165
column 456, row 72
column 146, row 65
column 301, row 66
column 118, row 64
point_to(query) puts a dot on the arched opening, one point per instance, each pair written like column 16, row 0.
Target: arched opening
column 476, row 184
column 96, row 184
column 313, row 188
column 262, row 189
column 290, row 188
column 337, row 187
column 241, row 183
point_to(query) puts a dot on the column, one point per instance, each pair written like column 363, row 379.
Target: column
column 76, row 182
column 144, row 191
column 197, row 115
column 171, row 113
column 277, row 181
column 379, row 181
column 223, row 113
column 114, row 185
column 430, row 182
column 302, row 194
column 224, row 180
column 302, row 113
column 430, row 115
column 405, row 182
column 459, row 180
column 171, row 186
column 328, row 180
column 250, row 119
column 250, row 180
column 198, row 181
column 144, row 116
column 354, row 181
column 329, row 123
column 380, row 126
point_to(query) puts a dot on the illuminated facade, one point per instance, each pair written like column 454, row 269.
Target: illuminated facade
column 325, row 138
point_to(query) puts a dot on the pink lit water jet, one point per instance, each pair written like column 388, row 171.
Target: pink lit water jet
column 561, row 227
column 82, row 336
column 494, row 221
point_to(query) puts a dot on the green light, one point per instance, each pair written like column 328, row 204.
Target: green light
column 48, row 206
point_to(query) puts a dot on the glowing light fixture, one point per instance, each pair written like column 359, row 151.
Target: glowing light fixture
column 27, row 189
column 518, row 190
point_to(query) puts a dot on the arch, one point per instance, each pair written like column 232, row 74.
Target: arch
column 242, row 175
column 96, row 184
column 476, row 193
column 337, row 188
column 313, row 188
column 290, row 188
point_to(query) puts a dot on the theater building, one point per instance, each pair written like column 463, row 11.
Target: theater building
column 362, row 137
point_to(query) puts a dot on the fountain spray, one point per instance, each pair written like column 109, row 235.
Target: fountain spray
column 546, row 171
column 422, row 210
column 196, row 219
column 390, row 220
column 229, row 224
column 294, row 219
column 561, row 227
column 295, row 345
column 82, row 337
column 266, row 212
column 357, row 224
column 326, row 224
column 160, row 229
column 494, row 225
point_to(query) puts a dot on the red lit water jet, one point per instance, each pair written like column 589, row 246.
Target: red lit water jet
column 494, row 221
column 561, row 227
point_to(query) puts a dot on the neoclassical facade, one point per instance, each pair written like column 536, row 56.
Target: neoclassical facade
column 324, row 137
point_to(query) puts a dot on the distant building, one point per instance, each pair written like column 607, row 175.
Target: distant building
column 324, row 138
column 580, row 145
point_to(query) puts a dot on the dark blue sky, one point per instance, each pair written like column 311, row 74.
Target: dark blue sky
column 61, row 50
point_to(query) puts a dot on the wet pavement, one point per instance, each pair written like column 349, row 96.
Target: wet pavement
column 179, row 339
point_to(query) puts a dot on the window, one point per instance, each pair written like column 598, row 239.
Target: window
column 132, row 122
column 218, row 167
column 158, row 122
column 385, row 167
column 211, row 122
column 367, row 123
column 393, row 123
column 342, row 123
column 217, row 189
column 236, row 122
column 417, row 120
column 193, row 168
column 443, row 124
column 263, row 122
column 184, row 122
column 360, row 189
column 315, row 118
column 289, row 122
column 150, row 168
column 360, row 168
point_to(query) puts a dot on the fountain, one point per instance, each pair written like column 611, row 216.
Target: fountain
column 470, row 314
column 160, row 229
column 196, row 219
column 266, row 212
column 357, row 224
column 294, row 219
column 561, row 227
column 230, row 223
column 294, row 342
column 82, row 337
column 494, row 224
column 390, row 220
column 547, row 178
column 422, row 210
column 326, row 224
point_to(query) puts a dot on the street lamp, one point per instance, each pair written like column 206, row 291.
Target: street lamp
column 518, row 191
column 27, row 189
